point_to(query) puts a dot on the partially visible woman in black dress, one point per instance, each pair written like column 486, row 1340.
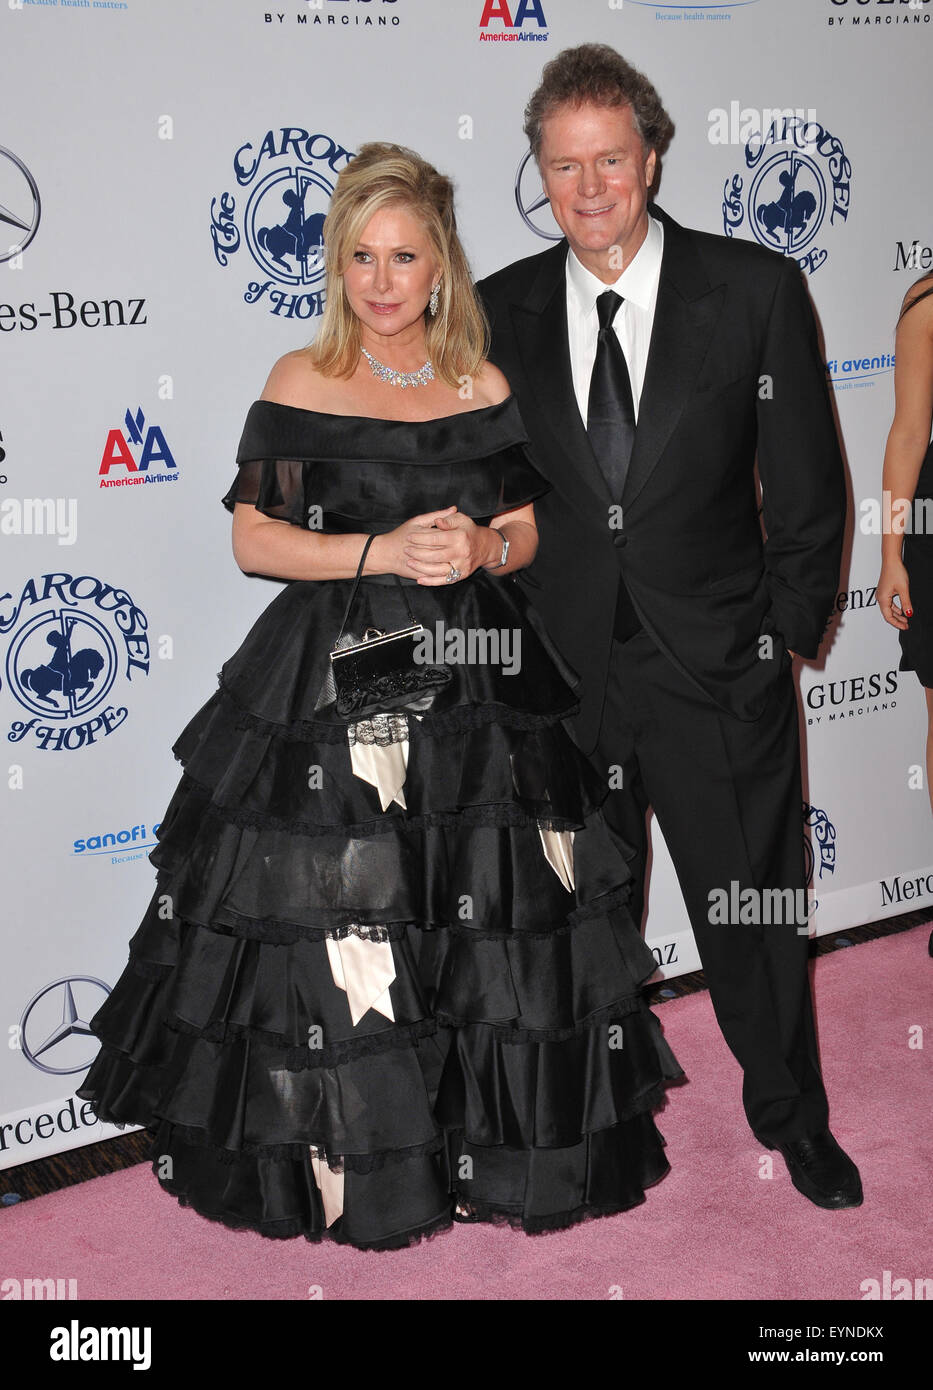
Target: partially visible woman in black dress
column 907, row 559
column 388, row 979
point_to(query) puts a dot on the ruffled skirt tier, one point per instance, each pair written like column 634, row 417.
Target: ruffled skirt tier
column 511, row 1067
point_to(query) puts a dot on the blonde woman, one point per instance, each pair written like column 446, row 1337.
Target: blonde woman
column 907, row 559
column 397, row 984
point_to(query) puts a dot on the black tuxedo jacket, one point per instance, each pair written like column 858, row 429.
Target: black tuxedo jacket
column 733, row 369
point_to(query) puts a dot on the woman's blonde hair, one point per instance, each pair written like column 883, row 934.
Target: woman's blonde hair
column 380, row 175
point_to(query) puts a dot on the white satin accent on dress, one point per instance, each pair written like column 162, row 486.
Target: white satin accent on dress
column 365, row 969
column 558, row 850
column 383, row 766
column 329, row 1184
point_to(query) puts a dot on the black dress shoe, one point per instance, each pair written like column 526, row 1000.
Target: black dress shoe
column 821, row 1170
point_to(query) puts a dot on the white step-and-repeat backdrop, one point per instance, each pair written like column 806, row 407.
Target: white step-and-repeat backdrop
column 164, row 171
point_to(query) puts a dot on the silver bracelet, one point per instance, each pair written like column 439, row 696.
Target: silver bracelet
column 504, row 556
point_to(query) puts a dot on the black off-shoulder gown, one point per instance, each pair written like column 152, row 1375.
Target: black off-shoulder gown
column 515, row 1066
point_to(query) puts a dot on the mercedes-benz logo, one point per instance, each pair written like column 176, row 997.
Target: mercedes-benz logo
column 20, row 206
column 533, row 203
column 55, row 1025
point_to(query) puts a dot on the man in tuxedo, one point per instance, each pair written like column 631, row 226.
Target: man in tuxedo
column 651, row 363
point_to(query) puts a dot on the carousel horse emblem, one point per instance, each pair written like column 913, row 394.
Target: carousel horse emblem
column 290, row 178
column 796, row 185
column 71, row 641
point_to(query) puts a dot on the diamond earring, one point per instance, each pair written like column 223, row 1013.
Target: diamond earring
column 432, row 302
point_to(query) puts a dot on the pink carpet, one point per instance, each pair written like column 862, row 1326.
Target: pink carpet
column 713, row 1228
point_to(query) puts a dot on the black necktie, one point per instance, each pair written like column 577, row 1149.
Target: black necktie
column 610, row 415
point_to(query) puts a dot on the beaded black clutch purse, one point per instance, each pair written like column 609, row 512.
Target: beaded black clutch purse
column 382, row 673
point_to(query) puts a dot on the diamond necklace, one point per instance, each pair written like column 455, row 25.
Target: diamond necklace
column 419, row 378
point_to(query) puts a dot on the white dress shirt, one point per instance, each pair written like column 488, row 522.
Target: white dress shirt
column 638, row 286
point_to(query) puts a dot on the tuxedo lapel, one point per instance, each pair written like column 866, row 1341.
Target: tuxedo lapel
column 540, row 324
column 685, row 315
column 686, row 312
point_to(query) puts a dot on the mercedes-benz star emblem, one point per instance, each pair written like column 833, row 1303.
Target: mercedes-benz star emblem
column 20, row 206
column 55, row 1024
column 533, row 203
